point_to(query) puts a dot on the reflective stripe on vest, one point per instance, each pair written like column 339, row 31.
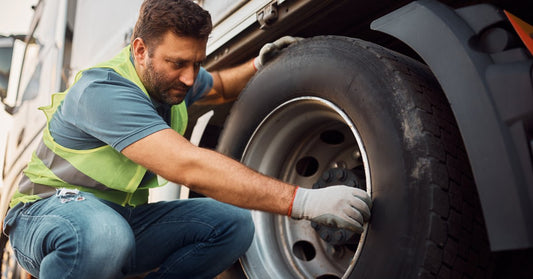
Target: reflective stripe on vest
column 103, row 170
column 63, row 169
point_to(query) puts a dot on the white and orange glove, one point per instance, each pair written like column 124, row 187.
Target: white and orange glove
column 271, row 50
column 335, row 206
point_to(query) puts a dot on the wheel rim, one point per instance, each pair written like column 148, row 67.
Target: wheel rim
column 297, row 142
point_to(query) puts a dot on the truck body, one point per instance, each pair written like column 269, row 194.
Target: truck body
column 455, row 78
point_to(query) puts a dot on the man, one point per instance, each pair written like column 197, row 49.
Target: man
column 81, row 210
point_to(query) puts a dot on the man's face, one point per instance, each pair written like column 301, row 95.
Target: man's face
column 169, row 68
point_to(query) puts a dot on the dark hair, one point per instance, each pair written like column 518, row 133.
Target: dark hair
column 182, row 17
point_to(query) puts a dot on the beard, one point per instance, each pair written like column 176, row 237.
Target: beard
column 159, row 88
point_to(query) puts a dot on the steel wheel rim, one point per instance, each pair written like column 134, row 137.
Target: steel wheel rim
column 296, row 143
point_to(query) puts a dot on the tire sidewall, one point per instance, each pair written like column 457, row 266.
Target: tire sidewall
column 350, row 76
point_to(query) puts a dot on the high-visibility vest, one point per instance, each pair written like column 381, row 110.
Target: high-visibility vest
column 103, row 171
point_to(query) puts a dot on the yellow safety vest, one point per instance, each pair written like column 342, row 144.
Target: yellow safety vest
column 103, row 171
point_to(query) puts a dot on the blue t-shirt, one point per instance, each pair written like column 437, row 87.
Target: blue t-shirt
column 104, row 108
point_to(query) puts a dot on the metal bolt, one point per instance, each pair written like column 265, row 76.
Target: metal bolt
column 325, row 235
column 339, row 236
column 326, row 177
column 356, row 154
column 339, row 164
column 335, row 251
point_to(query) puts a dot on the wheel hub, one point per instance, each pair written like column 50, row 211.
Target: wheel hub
column 307, row 141
column 331, row 177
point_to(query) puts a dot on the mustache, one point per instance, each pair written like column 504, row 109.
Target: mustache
column 179, row 86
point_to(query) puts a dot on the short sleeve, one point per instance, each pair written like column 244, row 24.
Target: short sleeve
column 104, row 108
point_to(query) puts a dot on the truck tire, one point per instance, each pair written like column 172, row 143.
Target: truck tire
column 335, row 110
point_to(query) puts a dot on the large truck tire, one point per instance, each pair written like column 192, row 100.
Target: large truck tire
column 334, row 110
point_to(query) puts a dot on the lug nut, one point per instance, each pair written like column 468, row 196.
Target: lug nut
column 325, row 235
column 339, row 236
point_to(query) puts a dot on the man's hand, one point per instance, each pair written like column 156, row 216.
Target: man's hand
column 336, row 206
column 271, row 50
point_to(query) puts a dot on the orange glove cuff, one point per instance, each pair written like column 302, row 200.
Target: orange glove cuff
column 292, row 202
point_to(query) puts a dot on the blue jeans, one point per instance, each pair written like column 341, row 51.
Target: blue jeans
column 86, row 237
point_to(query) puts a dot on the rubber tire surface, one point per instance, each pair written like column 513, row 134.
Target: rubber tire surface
column 426, row 220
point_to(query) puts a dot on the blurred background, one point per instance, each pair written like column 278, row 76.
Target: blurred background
column 15, row 18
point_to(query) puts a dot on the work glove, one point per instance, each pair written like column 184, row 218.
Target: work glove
column 336, row 206
column 271, row 50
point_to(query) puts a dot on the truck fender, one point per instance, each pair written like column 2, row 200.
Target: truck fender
column 489, row 88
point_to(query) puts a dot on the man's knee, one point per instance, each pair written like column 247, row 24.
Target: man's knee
column 79, row 251
column 102, row 235
column 107, row 242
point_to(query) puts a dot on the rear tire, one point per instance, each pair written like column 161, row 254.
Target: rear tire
column 335, row 102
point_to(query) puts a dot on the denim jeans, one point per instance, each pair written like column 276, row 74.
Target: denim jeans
column 85, row 237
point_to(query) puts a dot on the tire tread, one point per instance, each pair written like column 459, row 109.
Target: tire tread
column 457, row 243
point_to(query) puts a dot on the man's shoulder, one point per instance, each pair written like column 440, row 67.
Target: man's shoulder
column 104, row 75
column 101, row 107
column 103, row 83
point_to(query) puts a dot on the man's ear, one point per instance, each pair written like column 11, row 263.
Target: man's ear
column 139, row 51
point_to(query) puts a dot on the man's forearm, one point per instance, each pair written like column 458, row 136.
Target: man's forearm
column 229, row 82
column 229, row 181
column 210, row 173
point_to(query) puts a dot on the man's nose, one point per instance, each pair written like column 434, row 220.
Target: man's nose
column 187, row 76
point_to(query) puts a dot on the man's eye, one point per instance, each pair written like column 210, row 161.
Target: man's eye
column 178, row 64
